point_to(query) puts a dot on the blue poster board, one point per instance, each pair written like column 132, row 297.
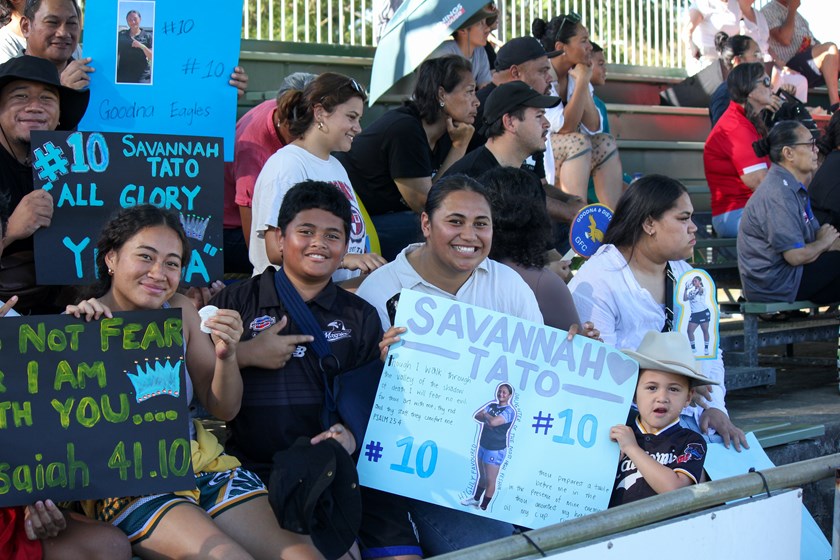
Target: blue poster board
column 443, row 384
column 182, row 88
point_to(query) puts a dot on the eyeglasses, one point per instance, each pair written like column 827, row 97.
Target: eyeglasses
column 812, row 143
column 572, row 17
column 765, row 81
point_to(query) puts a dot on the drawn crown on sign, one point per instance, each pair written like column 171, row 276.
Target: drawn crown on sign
column 194, row 226
column 156, row 378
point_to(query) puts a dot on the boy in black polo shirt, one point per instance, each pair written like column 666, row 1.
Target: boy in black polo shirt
column 657, row 454
column 283, row 387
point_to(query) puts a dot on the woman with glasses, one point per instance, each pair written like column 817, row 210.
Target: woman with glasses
column 323, row 118
column 579, row 147
column 784, row 254
column 628, row 287
column 824, row 188
column 733, row 170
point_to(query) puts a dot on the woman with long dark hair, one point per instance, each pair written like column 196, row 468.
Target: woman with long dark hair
column 140, row 257
column 393, row 162
column 732, row 168
column 579, row 147
column 627, row 288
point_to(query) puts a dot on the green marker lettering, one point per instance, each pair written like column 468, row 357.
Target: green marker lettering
column 129, row 343
column 107, row 329
column 152, row 334
column 32, row 377
column 74, row 331
column 2, row 387
column 74, row 467
column 56, row 340
column 5, row 481
column 87, row 413
column 22, row 478
column 59, row 479
column 93, row 371
column 108, row 412
column 172, row 332
column 64, row 374
column 26, row 336
column 22, row 414
column 63, row 410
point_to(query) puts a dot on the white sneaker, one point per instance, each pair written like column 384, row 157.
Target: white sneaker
column 469, row 502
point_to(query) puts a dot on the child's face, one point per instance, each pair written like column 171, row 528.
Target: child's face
column 660, row 397
column 313, row 245
column 599, row 69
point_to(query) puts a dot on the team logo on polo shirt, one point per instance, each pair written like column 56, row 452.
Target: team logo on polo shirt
column 337, row 331
column 693, row 452
column 262, row 323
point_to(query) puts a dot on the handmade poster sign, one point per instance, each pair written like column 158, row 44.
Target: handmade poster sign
column 92, row 410
column 472, row 398
column 163, row 66
column 588, row 227
column 697, row 312
column 92, row 175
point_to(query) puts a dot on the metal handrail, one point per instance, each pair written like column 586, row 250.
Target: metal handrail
column 651, row 510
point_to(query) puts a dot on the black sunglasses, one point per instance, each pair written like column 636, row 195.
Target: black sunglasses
column 765, row 81
column 572, row 17
column 812, row 143
column 358, row 88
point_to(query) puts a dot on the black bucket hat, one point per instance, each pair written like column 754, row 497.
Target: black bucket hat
column 314, row 490
column 72, row 103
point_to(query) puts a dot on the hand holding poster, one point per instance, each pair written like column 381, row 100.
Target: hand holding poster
column 472, row 396
column 92, row 409
column 163, row 66
column 92, row 175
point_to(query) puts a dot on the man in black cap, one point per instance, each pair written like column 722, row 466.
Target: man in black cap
column 515, row 127
column 31, row 98
column 523, row 59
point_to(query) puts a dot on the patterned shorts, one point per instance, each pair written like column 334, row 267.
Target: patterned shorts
column 572, row 145
column 137, row 517
column 492, row 456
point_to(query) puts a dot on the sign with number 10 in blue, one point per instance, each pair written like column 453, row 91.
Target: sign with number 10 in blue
column 496, row 416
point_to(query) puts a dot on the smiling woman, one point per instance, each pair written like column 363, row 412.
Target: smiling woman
column 458, row 227
column 627, row 288
column 324, row 118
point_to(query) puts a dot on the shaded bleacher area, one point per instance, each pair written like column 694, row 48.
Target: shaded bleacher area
column 781, row 376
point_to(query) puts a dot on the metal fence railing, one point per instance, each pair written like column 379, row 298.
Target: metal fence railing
column 637, row 32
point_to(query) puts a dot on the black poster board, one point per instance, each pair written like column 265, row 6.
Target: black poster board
column 91, row 175
column 93, row 410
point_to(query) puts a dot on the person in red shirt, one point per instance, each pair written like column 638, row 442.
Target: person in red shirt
column 733, row 171
column 259, row 133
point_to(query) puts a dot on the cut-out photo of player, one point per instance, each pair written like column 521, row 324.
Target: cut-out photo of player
column 695, row 297
column 496, row 418
column 694, row 294
column 135, row 31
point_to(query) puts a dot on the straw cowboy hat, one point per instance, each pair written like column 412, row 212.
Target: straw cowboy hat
column 669, row 352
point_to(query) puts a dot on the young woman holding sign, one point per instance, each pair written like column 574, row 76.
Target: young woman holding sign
column 141, row 253
column 627, row 287
column 42, row 530
column 453, row 263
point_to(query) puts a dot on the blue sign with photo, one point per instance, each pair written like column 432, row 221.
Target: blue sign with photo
column 163, row 66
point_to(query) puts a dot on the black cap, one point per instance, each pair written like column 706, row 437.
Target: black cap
column 509, row 97
column 314, row 490
column 519, row 50
column 72, row 103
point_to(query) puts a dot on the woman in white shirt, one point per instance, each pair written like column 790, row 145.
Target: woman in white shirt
column 323, row 118
column 627, row 287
